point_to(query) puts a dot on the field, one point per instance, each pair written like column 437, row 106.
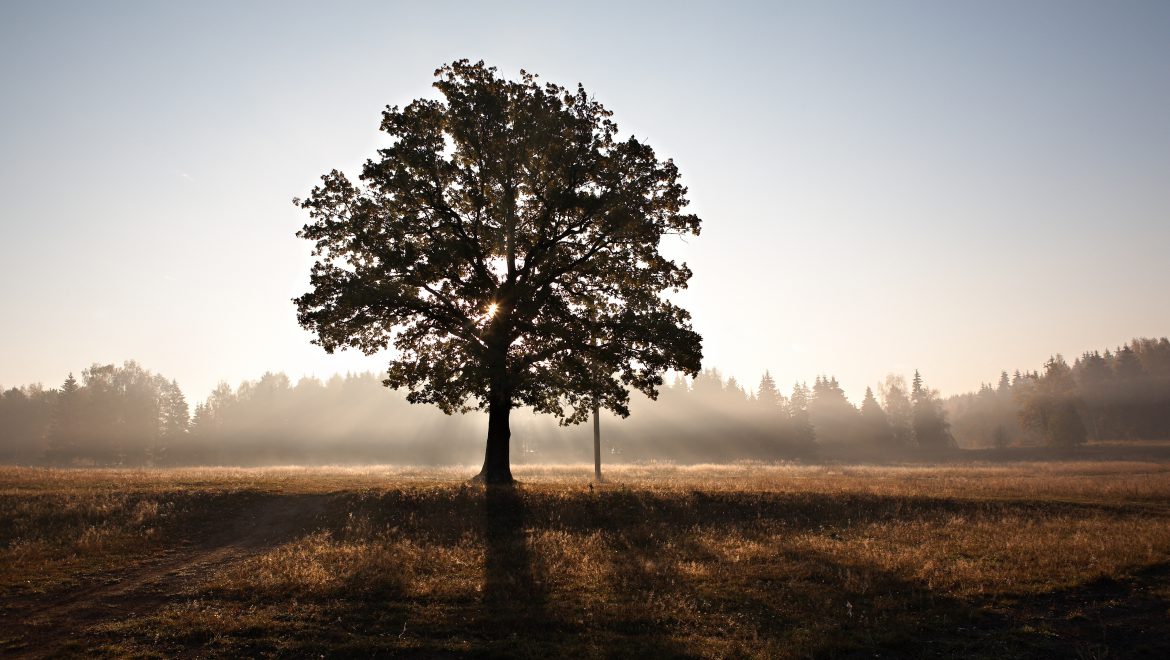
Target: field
column 1063, row 559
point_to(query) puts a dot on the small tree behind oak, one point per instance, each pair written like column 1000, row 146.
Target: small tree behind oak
column 507, row 246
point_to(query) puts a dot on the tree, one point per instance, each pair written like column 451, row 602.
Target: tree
column 1003, row 388
column 174, row 416
column 766, row 394
column 831, row 414
column 931, row 428
column 65, row 428
column 27, row 420
column 507, row 245
column 877, row 425
column 1050, row 406
column 999, row 437
column 802, row 429
column 1129, row 386
column 899, row 410
column 1094, row 380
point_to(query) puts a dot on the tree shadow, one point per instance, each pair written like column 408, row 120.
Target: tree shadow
column 510, row 585
column 811, row 603
column 807, row 604
column 514, row 602
column 664, row 579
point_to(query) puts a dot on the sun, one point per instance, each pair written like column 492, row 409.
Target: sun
column 491, row 311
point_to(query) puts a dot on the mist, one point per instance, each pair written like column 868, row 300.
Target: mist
column 126, row 415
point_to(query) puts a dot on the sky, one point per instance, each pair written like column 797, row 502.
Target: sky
column 952, row 187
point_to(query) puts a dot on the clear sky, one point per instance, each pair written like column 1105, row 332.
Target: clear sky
column 957, row 187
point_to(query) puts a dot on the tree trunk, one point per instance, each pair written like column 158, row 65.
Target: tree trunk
column 596, row 444
column 496, row 464
column 497, row 467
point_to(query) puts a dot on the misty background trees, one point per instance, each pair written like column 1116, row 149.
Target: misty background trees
column 127, row 415
column 1123, row 394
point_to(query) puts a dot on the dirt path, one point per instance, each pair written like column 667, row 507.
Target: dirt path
column 48, row 626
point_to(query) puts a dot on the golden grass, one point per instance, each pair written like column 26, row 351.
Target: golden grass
column 1067, row 558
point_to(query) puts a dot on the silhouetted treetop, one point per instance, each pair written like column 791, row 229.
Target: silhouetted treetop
column 507, row 245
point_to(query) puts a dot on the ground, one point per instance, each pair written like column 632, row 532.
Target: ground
column 1064, row 558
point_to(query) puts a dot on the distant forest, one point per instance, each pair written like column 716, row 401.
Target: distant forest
column 126, row 415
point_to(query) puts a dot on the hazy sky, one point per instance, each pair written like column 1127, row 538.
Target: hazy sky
column 957, row 187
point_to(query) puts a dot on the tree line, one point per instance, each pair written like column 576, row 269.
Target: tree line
column 112, row 416
column 127, row 415
column 1120, row 394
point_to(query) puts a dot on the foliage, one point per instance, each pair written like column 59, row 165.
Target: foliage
column 899, row 410
column 1049, row 405
column 931, row 428
column 767, row 395
column 1120, row 394
column 119, row 415
column 830, row 413
column 875, row 422
column 507, row 245
column 1116, row 394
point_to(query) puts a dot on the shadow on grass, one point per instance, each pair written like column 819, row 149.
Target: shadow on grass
column 666, row 579
column 444, row 517
column 513, row 597
column 805, row 603
column 518, row 620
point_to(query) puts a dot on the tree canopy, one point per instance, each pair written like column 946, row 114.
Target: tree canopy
column 507, row 246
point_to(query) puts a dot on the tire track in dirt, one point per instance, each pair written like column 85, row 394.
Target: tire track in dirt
column 50, row 627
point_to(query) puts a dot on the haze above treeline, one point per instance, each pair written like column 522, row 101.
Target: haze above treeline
column 127, row 415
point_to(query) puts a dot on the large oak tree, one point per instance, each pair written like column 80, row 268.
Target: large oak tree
column 507, row 246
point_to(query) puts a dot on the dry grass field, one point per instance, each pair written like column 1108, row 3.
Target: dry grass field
column 1062, row 559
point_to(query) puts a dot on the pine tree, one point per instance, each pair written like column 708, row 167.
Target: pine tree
column 802, row 428
column 931, row 428
column 831, row 414
column 877, row 425
column 1094, row 380
column 734, row 391
column 899, row 410
column 1050, row 406
column 201, row 422
column 66, row 425
column 174, row 419
column 766, row 394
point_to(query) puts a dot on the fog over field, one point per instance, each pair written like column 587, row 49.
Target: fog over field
column 125, row 415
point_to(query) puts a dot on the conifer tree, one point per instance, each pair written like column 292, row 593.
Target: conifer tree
column 877, row 425
column 66, row 423
column 175, row 418
column 1005, row 384
column 1051, row 404
column 802, row 428
column 931, row 428
column 766, row 394
column 831, row 414
column 899, row 410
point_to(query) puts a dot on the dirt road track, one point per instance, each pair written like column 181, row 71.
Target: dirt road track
column 45, row 627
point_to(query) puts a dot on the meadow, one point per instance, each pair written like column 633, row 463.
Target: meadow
column 1022, row 559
